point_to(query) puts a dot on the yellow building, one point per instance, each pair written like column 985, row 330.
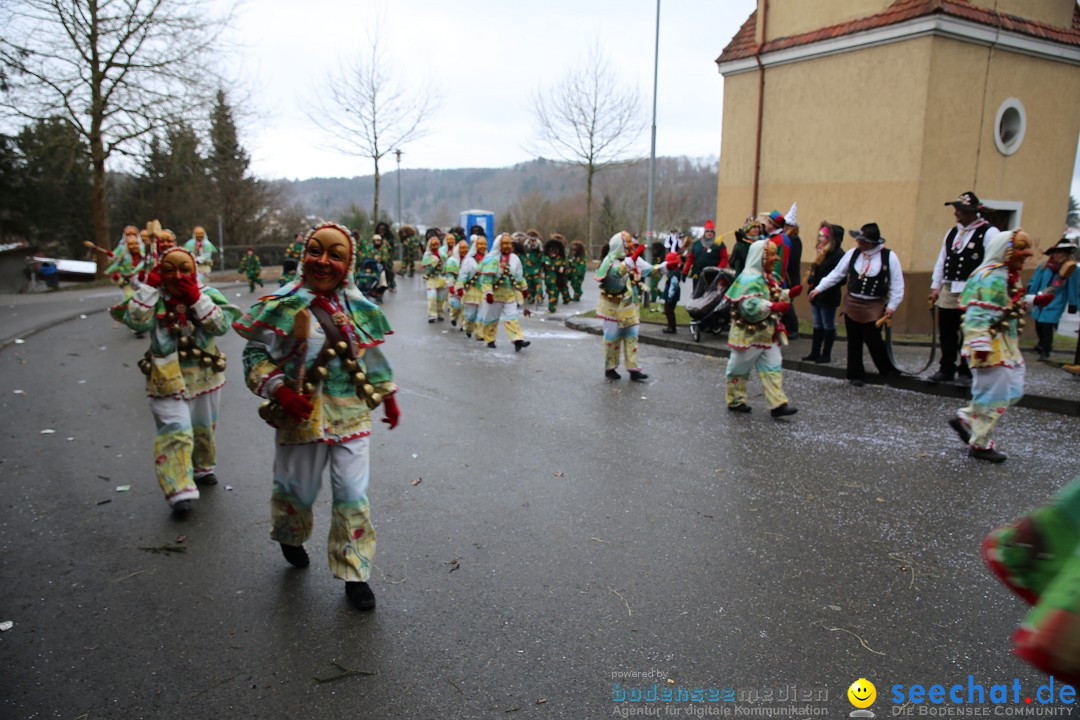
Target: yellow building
column 882, row 110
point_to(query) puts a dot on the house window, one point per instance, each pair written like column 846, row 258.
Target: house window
column 1010, row 126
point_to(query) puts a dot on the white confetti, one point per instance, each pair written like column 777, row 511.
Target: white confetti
column 123, row 488
column 69, row 439
column 101, row 348
column 414, row 456
column 19, row 341
column 82, row 317
column 237, row 294
column 19, row 392
column 228, row 487
column 644, row 398
column 47, row 431
column 6, row 625
column 82, row 382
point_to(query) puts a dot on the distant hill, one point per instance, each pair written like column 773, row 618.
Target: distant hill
column 686, row 187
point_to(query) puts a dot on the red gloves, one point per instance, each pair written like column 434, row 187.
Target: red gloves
column 525, row 293
column 153, row 279
column 982, row 355
column 461, row 292
column 1043, row 299
column 393, row 414
column 795, row 292
column 189, row 289
column 490, row 297
column 115, row 277
column 298, row 406
column 780, row 307
column 637, row 252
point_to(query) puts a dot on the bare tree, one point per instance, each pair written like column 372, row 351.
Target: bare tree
column 590, row 120
column 368, row 110
column 115, row 69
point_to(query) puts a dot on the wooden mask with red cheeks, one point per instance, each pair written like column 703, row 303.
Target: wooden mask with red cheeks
column 433, row 244
column 327, row 257
column 176, row 263
column 131, row 240
column 768, row 260
column 462, row 249
column 481, row 245
column 506, row 244
column 166, row 241
column 1019, row 251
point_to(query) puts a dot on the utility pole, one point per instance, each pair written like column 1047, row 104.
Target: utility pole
column 221, row 243
column 398, row 154
column 652, row 152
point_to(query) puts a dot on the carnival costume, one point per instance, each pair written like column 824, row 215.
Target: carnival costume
column 501, row 280
column 453, row 269
column 1055, row 287
column 410, row 249
column 468, row 289
column 184, row 372
column 126, row 258
column 314, row 353
column 757, row 302
column 533, row 264
column 556, row 272
column 295, row 249
column 579, row 267
column 993, row 303
column 620, row 292
column 251, row 266
column 203, row 250
column 433, row 264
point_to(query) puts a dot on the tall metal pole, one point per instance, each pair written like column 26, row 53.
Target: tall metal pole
column 652, row 152
column 221, row 243
column 399, row 218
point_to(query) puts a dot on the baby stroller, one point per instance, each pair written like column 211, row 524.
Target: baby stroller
column 370, row 280
column 709, row 307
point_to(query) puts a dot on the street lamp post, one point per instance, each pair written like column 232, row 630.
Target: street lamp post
column 652, row 152
column 398, row 154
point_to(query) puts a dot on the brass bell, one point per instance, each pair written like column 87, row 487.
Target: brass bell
column 322, row 372
column 359, row 378
column 369, row 389
column 183, row 354
column 376, row 398
column 219, row 364
column 342, row 346
column 170, row 315
column 309, row 389
column 196, row 351
column 206, row 360
column 183, row 342
column 330, row 352
column 350, row 364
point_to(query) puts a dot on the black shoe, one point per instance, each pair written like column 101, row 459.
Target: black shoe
column 783, row 411
column 518, row 344
column 140, row 335
column 431, row 320
column 856, row 382
column 638, row 376
column 491, row 344
column 988, row 454
column 740, row 408
column 612, row 375
column 669, row 331
column 823, row 359
column 453, row 323
column 812, row 357
column 468, row 334
column 441, row 318
column 296, row 555
column 208, row 479
column 182, row 507
column 360, row 595
column 963, row 380
column 940, row 376
column 958, row 425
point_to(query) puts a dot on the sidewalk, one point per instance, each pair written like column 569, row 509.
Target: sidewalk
column 1046, row 387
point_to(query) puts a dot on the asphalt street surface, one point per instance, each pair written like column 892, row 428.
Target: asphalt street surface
column 542, row 533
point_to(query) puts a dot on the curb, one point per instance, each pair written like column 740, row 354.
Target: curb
column 904, row 382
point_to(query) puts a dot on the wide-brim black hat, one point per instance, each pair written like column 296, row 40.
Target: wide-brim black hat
column 868, row 233
column 1065, row 244
column 967, row 201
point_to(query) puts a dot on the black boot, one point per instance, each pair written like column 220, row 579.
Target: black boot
column 827, row 338
column 296, row 555
column 815, row 345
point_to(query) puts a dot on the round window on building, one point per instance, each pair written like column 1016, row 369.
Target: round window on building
column 1010, row 126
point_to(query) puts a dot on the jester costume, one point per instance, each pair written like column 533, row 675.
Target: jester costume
column 314, row 352
column 203, row 250
column 467, row 288
column 433, row 265
column 453, row 268
column 993, row 302
column 757, row 302
column 295, row 249
column 411, row 250
column 184, row 375
column 502, row 282
column 127, row 258
column 556, row 272
column 251, row 266
column 620, row 280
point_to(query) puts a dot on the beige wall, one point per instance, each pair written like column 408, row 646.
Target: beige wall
column 791, row 17
column 1051, row 12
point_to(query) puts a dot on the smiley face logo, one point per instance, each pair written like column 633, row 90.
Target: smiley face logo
column 862, row 693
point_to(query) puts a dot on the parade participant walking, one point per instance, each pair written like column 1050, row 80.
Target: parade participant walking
column 411, row 251
column 672, row 291
column 706, row 252
column 433, row 264
column 556, row 272
column 251, row 266
column 620, row 276
column 501, row 279
column 468, row 287
column 579, row 266
column 295, row 249
column 875, row 283
column 386, row 253
column 532, row 262
column 203, row 250
column 314, row 353
column 992, row 303
column 752, row 231
column 127, row 257
column 184, row 370
column 962, row 250
column 1055, row 287
column 758, row 303
column 453, row 271
column 823, row 306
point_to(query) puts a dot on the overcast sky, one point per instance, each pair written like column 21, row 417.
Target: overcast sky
column 489, row 57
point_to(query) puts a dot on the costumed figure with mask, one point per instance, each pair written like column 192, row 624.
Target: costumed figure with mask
column 453, row 271
column 433, row 265
column 758, row 303
column 579, row 267
column 450, row 260
column 251, row 266
column 126, row 258
column 314, row 353
column 411, row 249
column 1054, row 287
column 184, row 370
column 993, row 307
column 620, row 276
column 386, row 253
column 502, row 280
column 295, row 249
column 467, row 287
column 556, row 271
column 533, row 262
column 203, row 250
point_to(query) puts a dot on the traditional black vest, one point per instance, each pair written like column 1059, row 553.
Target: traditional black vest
column 875, row 286
column 959, row 265
column 704, row 257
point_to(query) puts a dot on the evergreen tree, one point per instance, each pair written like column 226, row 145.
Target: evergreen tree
column 238, row 198
column 56, row 183
column 13, row 217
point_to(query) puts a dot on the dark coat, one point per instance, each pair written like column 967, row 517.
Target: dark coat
column 834, row 295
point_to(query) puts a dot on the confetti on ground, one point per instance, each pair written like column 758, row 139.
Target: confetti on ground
column 6, row 625
column 229, row 488
column 414, row 456
column 101, row 348
column 558, row 474
column 19, row 392
column 69, row 439
column 48, row 431
column 82, row 317
column 123, row 488
column 82, row 382
column 19, row 341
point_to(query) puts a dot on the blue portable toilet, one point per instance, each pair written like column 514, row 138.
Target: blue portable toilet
column 483, row 218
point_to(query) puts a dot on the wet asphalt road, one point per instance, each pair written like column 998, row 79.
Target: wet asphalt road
column 564, row 530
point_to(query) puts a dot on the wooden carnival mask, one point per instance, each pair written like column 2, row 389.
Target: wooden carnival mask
column 176, row 264
column 1019, row 251
column 327, row 257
